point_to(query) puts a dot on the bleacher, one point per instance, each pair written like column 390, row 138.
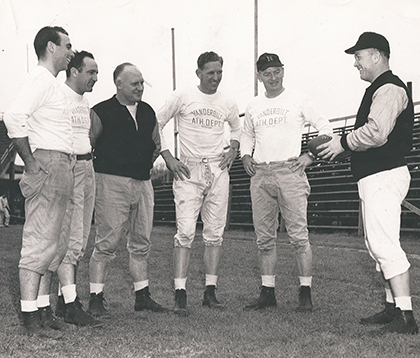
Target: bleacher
column 334, row 200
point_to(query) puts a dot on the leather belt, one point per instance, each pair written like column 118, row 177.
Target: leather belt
column 87, row 156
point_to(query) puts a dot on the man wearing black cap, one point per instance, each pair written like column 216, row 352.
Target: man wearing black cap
column 273, row 126
column 381, row 139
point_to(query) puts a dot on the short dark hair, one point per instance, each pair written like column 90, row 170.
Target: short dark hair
column 45, row 35
column 120, row 68
column 77, row 61
column 208, row 57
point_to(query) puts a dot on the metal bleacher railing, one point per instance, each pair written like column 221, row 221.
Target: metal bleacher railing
column 333, row 203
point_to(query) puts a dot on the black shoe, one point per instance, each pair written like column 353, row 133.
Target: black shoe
column 145, row 303
column 387, row 315
column 305, row 301
column 210, row 299
column 181, row 303
column 60, row 308
column 48, row 319
column 76, row 315
column 267, row 299
column 32, row 326
column 96, row 306
column 403, row 322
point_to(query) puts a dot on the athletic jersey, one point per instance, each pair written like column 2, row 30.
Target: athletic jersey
column 273, row 126
column 80, row 120
column 201, row 121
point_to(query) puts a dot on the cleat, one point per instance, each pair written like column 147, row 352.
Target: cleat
column 180, row 308
column 96, row 306
column 305, row 301
column 387, row 315
column 77, row 316
column 145, row 303
column 48, row 319
column 32, row 327
column 210, row 299
column 267, row 299
column 403, row 322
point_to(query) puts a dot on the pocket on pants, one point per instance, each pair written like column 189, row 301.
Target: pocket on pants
column 31, row 183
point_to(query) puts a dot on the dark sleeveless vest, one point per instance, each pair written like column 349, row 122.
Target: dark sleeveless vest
column 400, row 140
column 121, row 149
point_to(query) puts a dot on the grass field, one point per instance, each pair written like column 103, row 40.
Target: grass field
column 345, row 288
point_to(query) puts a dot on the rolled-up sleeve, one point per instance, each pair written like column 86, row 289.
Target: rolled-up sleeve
column 387, row 104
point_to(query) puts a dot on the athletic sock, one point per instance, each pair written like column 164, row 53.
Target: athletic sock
column 211, row 280
column 43, row 301
column 180, row 283
column 96, row 287
column 28, row 306
column 69, row 293
column 268, row 280
column 139, row 285
column 305, row 280
column 403, row 303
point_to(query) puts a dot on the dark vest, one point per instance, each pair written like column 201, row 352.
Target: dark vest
column 400, row 140
column 121, row 149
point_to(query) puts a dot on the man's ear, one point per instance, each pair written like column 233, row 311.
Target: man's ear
column 51, row 46
column 198, row 73
column 74, row 71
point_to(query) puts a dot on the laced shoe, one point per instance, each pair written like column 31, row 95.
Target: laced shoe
column 145, row 303
column 403, row 322
column 77, row 316
column 267, row 299
column 305, row 300
column 210, row 299
column 387, row 315
column 60, row 308
column 96, row 306
column 48, row 319
column 32, row 327
column 180, row 308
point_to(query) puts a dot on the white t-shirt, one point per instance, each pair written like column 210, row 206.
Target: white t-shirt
column 201, row 121
column 80, row 120
column 40, row 112
column 275, row 125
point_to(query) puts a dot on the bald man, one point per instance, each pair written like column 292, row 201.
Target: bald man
column 126, row 139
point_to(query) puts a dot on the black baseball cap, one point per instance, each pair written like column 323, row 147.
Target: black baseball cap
column 370, row 40
column 267, row 60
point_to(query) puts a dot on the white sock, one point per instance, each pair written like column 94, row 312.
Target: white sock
column 28, row 306
column 403, row 303
column 211, row 280
column 43, row 301
column 389, row 297
column 268, row 280
column 59, row 290
column 139, row 285
column 305, row 280
column 96, row 287
column 69, row 293
column 180, row 283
